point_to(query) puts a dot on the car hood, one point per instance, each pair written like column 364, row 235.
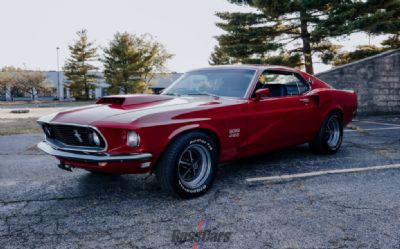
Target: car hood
column 127, row 109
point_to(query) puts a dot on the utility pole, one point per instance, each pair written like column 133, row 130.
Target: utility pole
column 58, row 75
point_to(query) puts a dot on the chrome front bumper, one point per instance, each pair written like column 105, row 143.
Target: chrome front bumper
column 91, row 157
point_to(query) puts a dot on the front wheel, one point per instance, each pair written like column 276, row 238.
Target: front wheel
column 188, row 167
column 330, row 135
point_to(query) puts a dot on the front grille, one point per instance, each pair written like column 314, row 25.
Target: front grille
column 78, row 136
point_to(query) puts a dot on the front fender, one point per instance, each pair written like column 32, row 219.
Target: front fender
column 182, row 129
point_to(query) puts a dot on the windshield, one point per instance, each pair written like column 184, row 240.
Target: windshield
column 214, row 82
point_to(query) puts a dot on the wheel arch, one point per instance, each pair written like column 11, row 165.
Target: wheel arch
column 335, row 109
column 209, row 131
column 176, row 134
column 327, row 112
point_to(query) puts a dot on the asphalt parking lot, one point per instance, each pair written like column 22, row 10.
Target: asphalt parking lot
column 42, row 206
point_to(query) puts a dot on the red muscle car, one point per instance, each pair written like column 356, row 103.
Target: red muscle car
column 207, row 116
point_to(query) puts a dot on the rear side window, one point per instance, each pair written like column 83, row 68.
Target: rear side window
column 287, row 83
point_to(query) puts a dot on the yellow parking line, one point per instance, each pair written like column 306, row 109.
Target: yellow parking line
column 321, row 173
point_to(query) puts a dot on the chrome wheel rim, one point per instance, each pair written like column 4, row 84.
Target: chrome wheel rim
column 194, row 166
column 333, row 133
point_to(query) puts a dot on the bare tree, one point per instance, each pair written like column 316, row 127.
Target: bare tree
column 31, row 82
column 25, row 81
column 7, row 80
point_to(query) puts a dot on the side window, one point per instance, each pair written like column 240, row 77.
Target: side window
column 281, row 83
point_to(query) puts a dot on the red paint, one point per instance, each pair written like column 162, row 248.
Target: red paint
column 265, row 124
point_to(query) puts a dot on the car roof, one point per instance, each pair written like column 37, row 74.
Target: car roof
column 247, row 66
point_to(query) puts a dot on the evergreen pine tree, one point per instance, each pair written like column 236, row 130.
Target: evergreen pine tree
column 287, row 27
column 219, row 57
column 374, row 17
column 130, row 62
column 78, row 68
column 371, row 16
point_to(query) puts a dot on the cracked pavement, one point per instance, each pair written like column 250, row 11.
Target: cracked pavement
column 42, row 206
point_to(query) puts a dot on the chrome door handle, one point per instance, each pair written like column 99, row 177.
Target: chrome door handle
column 305, row 101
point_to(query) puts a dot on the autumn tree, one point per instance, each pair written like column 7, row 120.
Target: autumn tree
column 364, row 51
column 31, row 82
column 24, row 81
column 7, row 82
column 79, row 68
column 131, row 62
column 392, row 42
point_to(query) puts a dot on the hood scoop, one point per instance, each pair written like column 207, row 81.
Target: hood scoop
column 136, row 99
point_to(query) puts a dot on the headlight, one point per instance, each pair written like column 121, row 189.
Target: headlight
column 133, row 139
column 96, row 139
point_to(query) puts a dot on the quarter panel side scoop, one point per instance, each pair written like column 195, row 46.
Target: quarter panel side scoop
column 134, row 99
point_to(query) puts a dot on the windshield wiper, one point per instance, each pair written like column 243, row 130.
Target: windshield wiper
column 204, row 93
column 172, row 94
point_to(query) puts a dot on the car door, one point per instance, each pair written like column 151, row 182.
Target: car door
column 282, row 118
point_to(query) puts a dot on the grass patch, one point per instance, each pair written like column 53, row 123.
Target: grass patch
column 18, row 126
column 38, row 104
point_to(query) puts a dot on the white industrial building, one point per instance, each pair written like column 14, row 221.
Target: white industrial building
column 61, row 91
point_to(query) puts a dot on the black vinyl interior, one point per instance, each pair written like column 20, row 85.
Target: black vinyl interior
column 277, row 90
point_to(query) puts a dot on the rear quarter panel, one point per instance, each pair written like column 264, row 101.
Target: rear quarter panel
column 332, row 99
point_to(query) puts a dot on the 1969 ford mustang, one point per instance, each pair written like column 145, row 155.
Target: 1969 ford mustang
column 207, row 116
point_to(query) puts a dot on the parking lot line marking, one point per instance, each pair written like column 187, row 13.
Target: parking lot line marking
column 375, row 129
column 380, row 123
column 321, row 173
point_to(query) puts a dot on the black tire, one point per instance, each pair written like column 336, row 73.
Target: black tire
column 330, row 135
column 191, row 154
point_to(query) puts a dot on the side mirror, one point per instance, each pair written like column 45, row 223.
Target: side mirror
column 264, row 92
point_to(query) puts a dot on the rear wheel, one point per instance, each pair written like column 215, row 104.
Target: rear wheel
column 330, row 135
column 188, row 166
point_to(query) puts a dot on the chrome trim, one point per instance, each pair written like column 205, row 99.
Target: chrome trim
column 252, row 84
column 62, row 146
column 76, row 148
column 44, row 146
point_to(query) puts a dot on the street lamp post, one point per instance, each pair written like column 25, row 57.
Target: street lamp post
column 58, row 75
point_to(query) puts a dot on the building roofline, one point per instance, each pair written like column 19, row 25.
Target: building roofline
column 383, row 54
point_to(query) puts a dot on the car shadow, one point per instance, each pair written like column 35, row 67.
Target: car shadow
column 105, row 183
column 292, row 160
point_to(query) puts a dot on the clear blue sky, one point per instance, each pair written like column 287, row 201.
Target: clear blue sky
column 31, row 30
